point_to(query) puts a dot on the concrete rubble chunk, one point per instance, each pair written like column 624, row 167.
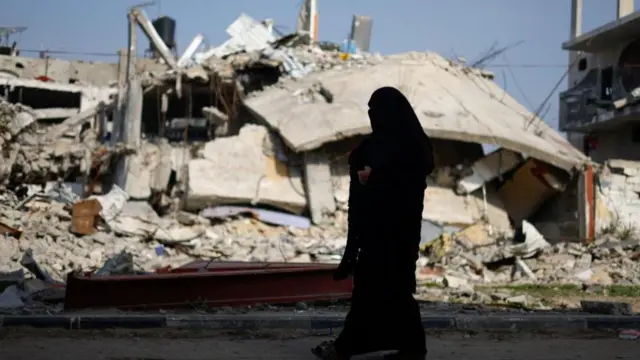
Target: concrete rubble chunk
column 487, row 169
column 138, row 218
column 112, row 202
column 463, row 210
column 241, row 170
column 533, row 243
column 519, row 299
column 161, row 173
column 457, row 283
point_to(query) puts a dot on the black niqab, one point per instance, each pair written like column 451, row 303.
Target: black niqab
column 397, row 131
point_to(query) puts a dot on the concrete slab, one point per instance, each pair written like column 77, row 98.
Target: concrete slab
column 453, row 102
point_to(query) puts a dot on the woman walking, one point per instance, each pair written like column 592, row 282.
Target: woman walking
column 388, row 179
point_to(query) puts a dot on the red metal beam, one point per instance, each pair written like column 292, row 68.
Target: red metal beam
column 210, row 283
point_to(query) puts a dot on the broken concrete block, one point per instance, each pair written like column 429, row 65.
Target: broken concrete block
column 112, row 202
column 138, row 180
column 487, row 169
column 443, row 206
column 533, row 243
column 139, row 219
column 518, row 300
column 475, row 235
column 147, row 163
column 21, row 121
column 237, row 170
column 454, row 282
column 161, row 174
column 459, row 286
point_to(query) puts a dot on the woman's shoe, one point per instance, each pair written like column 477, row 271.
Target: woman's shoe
column 405, row 356
column 327, row 351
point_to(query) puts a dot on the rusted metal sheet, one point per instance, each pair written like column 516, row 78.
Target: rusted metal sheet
column 208, row 283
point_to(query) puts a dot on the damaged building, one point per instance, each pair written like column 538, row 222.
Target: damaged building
column 599, row 112
column 164, row 153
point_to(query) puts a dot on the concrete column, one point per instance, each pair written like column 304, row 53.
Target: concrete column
column 132, row 48
column 130, row 135
column 625, row 7
column 317, row 178
column 586, row 205
column 123, row 60
column 133, row 114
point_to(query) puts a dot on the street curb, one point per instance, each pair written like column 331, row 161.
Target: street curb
column 319, row 322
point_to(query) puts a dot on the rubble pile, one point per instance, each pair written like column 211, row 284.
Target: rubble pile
column 607, row 261
column 29, row 156
column 24, row 157
column 252, row 194
column 13, row 118
column 43, row 225
column 24, row 162
column 322, row 60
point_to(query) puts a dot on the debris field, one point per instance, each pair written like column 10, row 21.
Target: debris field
column 257, row 171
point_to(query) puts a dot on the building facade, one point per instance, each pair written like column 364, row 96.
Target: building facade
column 600, row 110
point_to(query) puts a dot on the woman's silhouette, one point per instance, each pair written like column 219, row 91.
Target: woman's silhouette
column 388, row 179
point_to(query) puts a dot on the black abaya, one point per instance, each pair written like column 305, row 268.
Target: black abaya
column 384, row 315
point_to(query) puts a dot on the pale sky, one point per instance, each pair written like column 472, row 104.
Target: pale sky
column 465, row 28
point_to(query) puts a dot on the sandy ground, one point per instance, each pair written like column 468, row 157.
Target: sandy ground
column 175, row 345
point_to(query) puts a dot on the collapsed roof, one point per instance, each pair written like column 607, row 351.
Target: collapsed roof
column 452, row 101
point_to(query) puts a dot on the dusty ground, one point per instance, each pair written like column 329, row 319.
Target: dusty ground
column 156, row 345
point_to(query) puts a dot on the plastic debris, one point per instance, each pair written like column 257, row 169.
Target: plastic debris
column 630, row 334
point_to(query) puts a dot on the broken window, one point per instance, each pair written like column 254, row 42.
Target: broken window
column 184, row 117
column 582, row 64
column 44, row 98
column 606, row 83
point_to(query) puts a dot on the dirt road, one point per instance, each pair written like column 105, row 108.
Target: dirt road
column 155, row 345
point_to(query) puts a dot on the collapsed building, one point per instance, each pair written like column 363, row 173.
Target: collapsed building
column 262, row 124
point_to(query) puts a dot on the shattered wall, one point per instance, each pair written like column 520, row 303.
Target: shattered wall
column 557, row 219
column 248, row 169
column 73, row 71
column 62, row 71
column 619, row 189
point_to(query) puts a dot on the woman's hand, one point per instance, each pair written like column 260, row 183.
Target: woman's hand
column 363, row 175
column 343, row 271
